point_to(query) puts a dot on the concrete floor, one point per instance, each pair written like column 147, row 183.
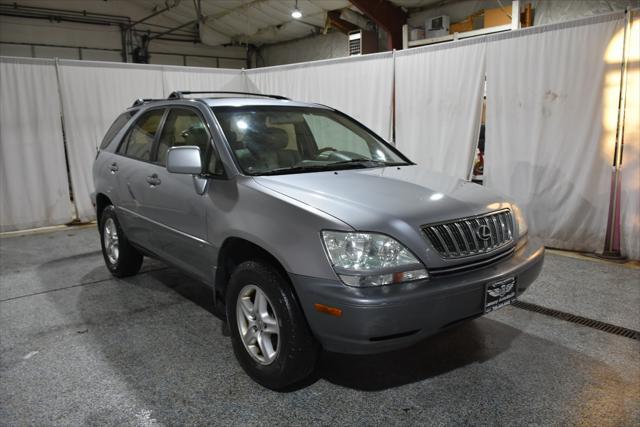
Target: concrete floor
column 80, row 347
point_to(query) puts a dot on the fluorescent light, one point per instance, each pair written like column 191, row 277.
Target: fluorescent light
column 296, row 13
column 242, row 124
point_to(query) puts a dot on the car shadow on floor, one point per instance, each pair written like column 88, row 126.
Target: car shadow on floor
column 448, row 350
column 475, row 341
column 148, row 347
column 191, row 289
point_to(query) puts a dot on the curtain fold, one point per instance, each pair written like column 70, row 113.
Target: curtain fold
column 550, row 130
column 359, row 86
column 438, row 102
column 34, row 191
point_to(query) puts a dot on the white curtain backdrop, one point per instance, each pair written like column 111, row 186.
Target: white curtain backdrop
column 630, row 197
column 359, row 86
column 549, row 111
column 438, row 105
column 195, row 78
column 93, row 95
column 34, row 190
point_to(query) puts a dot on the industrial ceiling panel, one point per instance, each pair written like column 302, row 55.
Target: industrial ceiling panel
column 418, row 3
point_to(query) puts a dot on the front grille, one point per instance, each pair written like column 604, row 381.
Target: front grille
column 473, row 265
column 471, row 236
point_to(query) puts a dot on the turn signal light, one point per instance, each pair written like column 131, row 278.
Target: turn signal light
column 333, row 311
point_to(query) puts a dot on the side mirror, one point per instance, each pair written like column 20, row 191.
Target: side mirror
column 185, row 159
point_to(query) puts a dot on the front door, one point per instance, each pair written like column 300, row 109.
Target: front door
column 173, row 203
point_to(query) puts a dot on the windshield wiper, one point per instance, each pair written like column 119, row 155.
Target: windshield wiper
column 307, row 168
column 343, row 164
column 371, row 162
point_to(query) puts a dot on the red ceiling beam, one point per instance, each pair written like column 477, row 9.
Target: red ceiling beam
column 388, row 16
column 334, row 20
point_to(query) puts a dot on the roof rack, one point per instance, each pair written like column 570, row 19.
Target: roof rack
column 179, row 94
column 141, row 101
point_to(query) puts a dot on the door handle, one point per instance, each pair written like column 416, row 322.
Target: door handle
column 153, row 180
column 114, row 167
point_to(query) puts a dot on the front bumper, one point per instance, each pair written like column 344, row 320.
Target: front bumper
column 379, row 319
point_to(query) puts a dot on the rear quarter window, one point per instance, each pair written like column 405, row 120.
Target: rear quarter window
column 115, row 127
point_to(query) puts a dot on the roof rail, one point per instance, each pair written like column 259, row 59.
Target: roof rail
column 179, row 94
column 141, row 101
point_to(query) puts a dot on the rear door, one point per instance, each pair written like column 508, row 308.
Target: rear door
column 133, row 169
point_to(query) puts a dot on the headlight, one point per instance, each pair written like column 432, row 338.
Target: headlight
column 520, row 220
column 371, row 259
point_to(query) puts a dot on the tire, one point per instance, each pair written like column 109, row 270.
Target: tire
column 122, row 260
column 285, row 358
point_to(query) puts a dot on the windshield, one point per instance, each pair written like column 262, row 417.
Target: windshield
column 270, row 140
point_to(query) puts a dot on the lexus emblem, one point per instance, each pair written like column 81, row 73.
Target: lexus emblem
column 483, row 232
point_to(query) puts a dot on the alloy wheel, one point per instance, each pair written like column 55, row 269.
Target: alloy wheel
column 258, row 324
column 110, row 238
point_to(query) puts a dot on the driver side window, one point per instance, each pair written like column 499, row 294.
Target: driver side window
column 185, row 127
column 331, row 134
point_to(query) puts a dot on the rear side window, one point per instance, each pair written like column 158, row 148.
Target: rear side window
column 139, row 142
column 115, row 128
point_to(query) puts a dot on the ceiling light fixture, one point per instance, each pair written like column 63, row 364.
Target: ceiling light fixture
column 296, row 13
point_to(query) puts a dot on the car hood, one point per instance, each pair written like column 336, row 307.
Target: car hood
column 386, row 199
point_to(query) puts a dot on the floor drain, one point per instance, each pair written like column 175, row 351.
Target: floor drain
column 595, row 324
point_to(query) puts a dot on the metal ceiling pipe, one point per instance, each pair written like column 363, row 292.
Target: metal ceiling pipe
column 172, row 30
column 62, row 15
column 156, row 13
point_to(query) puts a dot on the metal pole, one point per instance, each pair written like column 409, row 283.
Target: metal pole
column 612, row 244
column 123, row 40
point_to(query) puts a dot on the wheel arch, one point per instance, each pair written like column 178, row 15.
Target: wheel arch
column 233, row 252
column 102, row 201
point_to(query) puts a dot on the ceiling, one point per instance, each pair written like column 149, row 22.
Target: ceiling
column 213, row 22
column 251, row 21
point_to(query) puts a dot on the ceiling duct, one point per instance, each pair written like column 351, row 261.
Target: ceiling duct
column 356, row 19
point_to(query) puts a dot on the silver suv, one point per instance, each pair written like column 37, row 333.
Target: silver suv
column 312, row 231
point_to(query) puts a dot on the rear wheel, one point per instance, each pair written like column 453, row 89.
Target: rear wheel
column 270, row 335
column 121, row 258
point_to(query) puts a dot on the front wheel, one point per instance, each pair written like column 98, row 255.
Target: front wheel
column 270, row 335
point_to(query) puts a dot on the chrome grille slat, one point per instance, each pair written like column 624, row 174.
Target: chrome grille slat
column 497, row 227
column 494, row 232
column 476, row 246
column 503, row 225
column 464, row 238
column 455, row 243
column 446, row 252
column 483, row 243
column 509, row 225
column 461, row 238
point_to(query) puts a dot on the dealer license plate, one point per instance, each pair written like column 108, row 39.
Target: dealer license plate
column 500, row 293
